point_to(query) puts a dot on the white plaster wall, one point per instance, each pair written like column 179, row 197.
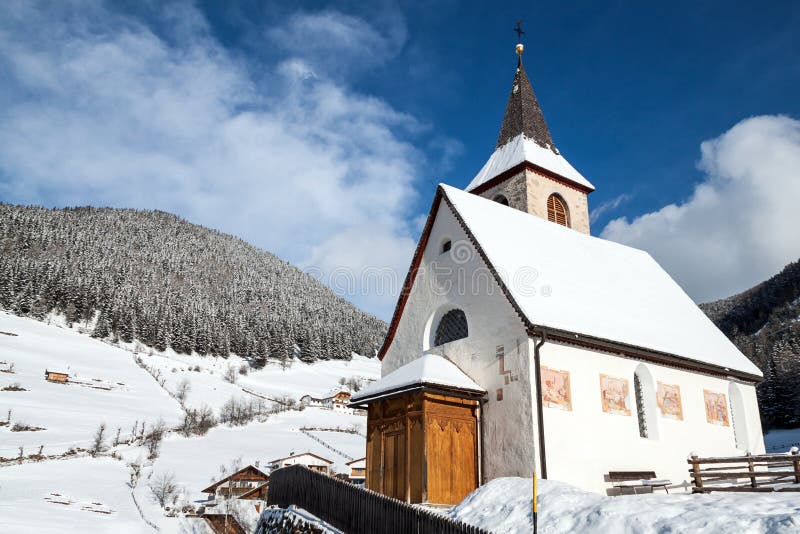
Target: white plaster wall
column 584, row 444
column 445, row 281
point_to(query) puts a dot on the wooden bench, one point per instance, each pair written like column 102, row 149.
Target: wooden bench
column 637, row 479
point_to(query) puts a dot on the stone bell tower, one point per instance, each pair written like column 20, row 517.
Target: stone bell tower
column 526, row 170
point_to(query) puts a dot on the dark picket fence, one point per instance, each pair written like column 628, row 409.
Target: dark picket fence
column 353, row 509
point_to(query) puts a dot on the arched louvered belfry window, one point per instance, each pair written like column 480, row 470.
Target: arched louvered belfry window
column 452, row 326
column 557, row 210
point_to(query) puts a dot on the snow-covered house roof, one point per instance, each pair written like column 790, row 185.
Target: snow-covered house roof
column 249, row 472
column 301, row 455
column 588, row 290
column 427, row 370
column 522, row 149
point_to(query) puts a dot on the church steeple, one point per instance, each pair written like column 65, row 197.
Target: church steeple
column 523, row 114
column 526, row 171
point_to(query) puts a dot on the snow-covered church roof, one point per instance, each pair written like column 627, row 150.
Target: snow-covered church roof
column 520, row 149
column 429, row 369
column 590, row 286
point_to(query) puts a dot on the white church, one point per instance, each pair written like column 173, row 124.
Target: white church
column 521, row 343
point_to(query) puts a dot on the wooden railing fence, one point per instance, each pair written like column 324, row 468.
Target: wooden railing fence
column 353, row 509
column 763, row 473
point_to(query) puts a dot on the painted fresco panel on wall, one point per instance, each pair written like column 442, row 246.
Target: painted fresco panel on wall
column 614, row 395
column 668, row 398
column 716, row 408
column 555, row 389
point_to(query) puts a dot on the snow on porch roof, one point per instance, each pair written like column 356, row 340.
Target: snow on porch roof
column 522, row 149
column 592, row 287
column 429, row 369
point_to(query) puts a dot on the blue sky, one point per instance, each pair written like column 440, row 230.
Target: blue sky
column 319, row 130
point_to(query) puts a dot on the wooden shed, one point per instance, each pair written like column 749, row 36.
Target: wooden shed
column 423, row 433
column 54, row 376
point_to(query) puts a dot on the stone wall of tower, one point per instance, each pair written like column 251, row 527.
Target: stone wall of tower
column 514, row 190
column 528, row 191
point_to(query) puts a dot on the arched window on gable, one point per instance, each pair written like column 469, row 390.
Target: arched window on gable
column 446, row 246
column 557, row 210
column 500, row 199
column 452, row 326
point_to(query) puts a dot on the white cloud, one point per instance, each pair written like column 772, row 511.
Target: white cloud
column 99, row 109
column 740, row 225
column 337, row 43
column 607, row 206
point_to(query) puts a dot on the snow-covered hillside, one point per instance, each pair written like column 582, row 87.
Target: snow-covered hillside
column 80, row 493
column 106, row 386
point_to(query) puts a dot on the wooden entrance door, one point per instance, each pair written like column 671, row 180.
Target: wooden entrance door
column 394, row 465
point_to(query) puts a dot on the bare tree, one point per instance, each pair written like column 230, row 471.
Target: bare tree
column 182, row 391
column 153, row 440
column 98, row 444
column 230, row 375
column 135, row 473
column 116, row 438
column 163, row 488
column 133, row 431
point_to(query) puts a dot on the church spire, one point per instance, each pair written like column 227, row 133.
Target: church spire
column 523, row 114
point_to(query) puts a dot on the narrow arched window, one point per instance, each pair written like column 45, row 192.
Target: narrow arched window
column 452, row 326
column 640, row 410
column 500, row 199
column 644, row 393
column 557, row 210
column 738, row 417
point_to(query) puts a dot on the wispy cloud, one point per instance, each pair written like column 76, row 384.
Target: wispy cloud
column 99, row 108
column 611, row 205
column 740, row 225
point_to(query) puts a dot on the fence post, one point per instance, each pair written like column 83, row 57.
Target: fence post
column 796, row 462
column 698, row 481
column 751, row 468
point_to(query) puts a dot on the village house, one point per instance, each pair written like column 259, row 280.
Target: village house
column 257, row 495
column 244, row 481
column 308, row 459
column 522, row 344
column 358, row 471
column 339, row 401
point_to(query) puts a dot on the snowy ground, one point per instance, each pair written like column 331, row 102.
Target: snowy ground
column 504, row 505
column 108, row 388
column 93, row 494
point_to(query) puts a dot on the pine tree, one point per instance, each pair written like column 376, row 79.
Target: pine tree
column 101, row 329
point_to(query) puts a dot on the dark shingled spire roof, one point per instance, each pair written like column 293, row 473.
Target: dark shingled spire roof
column 523, row 114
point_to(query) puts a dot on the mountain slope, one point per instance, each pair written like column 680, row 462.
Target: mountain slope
column 157, row 278
column 764, row 322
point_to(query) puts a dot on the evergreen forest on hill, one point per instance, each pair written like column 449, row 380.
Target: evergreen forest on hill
column 154, row 277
